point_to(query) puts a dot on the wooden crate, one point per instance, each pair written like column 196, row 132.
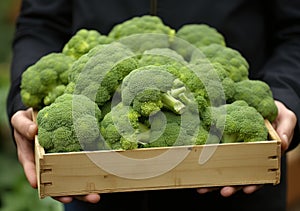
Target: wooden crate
column 77, row 173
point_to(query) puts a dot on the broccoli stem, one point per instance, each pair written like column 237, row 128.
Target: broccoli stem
column 178, row 83
column 185, row 99
column 176, row 92
column 172, row 103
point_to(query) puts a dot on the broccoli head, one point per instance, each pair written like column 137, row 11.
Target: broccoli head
column 200, row 35
column 205, row 137
column 120, row 128
column 164, row 129
column 258, row 95
column 143, row 33
column 169, row 129
column 193, row 76
column 45, row 80
column 99, row 73
column 83, row 41
column 190, row 37
column 140, row 25
column 231, row 60
column 150, row 88
column 218, row 87
column 235, row 122
column 161, row 56
column 70, row 123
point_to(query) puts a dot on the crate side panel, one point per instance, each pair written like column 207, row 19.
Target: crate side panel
column 229, row 164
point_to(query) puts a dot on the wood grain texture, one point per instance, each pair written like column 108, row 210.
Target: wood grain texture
column 78, row 173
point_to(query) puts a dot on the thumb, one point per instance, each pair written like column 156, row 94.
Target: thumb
column 23, row 123
column 285, row 124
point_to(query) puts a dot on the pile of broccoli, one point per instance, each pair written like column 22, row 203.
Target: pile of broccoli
column 146, row 85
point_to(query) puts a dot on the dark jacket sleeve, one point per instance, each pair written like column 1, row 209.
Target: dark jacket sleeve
column 282, row 70
column 42, row 27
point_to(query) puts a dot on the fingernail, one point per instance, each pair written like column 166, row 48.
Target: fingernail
column 202, row 190
column 285, row 138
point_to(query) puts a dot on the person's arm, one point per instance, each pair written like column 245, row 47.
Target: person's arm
column 42, row 27
column 282, row 73
column 282, row 70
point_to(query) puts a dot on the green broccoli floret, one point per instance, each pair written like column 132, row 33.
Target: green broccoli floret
column 83, row 41
column 150, row 88
column 164, row 129
column 209, row 83
column 161, row 56
column 171, row 60
column 99, row 73
column 148, row 102
column 236, row 122
column 143, row 33
column 176, row 65
column 205, row 137
column 80, row 63
column 200, row 35
column 218, row 87
column 169, row 129
column 258, row 95
column 140, row 25
column 231, row 60
column 69, row 124
column 55, row 93
column 193, row 76
column 121, row 128
column 138, row 43
column 45, row 80
column 197, row 35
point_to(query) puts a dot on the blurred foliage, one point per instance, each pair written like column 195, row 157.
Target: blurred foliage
column 4, row 83
column 6, row 145
column 15, row 192
column 8, row 13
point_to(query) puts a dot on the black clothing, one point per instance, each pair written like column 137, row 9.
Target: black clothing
column 267, row 33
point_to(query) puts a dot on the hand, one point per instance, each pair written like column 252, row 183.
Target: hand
column 24, row 132
column 284, row 125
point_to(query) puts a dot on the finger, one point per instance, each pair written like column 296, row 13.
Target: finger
column 91, row 198
column 26, row 158
column 64, row 199
column 229, row 191
column 206, row 190
column 285, row 130
column 251, row 188
column 30, row 172
column 22, row 122
column 285, row 124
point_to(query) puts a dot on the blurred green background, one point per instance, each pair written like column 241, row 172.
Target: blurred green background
column 15, row 192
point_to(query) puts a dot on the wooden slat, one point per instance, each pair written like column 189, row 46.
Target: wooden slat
column 231, row 164
column 79, row 173
column 39, row 155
